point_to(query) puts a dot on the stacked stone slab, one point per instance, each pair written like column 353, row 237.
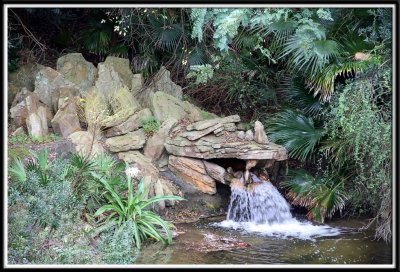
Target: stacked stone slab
column 217, row 138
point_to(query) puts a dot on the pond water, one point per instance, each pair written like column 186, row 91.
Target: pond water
column 337, row 242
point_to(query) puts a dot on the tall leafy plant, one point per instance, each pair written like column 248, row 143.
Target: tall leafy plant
column 135, row 207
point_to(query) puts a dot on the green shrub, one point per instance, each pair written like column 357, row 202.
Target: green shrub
column 117, row 244
column 151, row 125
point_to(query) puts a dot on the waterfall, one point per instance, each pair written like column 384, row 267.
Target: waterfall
column 260, row 208
column 260, row 203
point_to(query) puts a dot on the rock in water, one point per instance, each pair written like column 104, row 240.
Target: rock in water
column 259, row 133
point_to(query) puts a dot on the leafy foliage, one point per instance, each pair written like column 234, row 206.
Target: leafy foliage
column 133, row 208
column 151, row 125
column 321, row 196
column 296, row 132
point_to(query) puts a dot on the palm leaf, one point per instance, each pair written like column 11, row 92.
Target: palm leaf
column 165, row 34
column 296, row 92
column 324, row 82
column 295, row 132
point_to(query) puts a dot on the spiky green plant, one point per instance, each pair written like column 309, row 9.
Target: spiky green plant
column 322, row 197
column 295, row 132
column 40, row 165
column 133, row 207
column 17, row 171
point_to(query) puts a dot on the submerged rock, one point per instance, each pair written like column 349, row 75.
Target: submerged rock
column 212, row 242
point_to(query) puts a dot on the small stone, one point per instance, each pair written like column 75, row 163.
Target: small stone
column 241, row 134
column 249, row 135
column 259, row 133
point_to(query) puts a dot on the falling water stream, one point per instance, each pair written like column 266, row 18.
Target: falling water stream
column 260, row 208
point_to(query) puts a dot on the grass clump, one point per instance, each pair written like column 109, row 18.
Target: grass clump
column 151, row 125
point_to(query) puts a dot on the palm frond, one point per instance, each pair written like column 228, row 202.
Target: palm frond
column 295, row 132
column 324, row 82
column 197, row 57
column 245, row 39
column 322, row 197
column 296, row 92
column 166, row 34
column 309, row 53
